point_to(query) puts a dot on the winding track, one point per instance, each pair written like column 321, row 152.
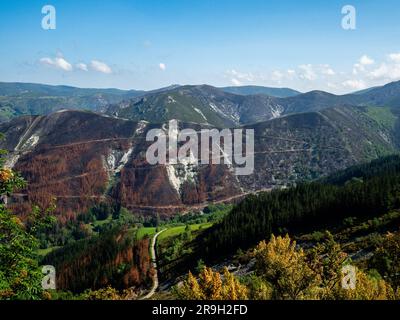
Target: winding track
column 154, row 262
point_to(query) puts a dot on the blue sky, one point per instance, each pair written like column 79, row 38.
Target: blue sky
column 148, row 44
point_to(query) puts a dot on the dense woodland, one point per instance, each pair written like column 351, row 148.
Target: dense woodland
column 360, row 192
column 113, row 258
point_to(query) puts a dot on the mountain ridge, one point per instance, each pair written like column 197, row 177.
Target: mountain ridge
column 65, row 155
column 197, row 103
column 234, row 109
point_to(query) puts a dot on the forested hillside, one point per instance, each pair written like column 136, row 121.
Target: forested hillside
column 111, row 258
column 307, row 206
column 38, row 99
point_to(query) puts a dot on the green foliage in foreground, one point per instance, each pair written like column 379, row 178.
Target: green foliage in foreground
column 283, row 271
column 306, row 207
column 20, row 276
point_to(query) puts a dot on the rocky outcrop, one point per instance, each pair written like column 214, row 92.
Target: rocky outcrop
column 82, row 158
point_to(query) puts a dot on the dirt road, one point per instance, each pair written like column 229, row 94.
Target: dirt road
column 154, row 262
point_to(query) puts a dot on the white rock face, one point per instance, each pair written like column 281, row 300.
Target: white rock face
column 20, row 149
column 215, row 108
column 276, row 113
column 116, row 160
column 171, row 100
column 141, row 126
column 230, row 114
column 124, row 160
column 111, row 161
column 384, row 136
column 11, row 161
column 201, row 113
column 124, row 105
column 173, row 179
column 178, row 174
column 31, row 142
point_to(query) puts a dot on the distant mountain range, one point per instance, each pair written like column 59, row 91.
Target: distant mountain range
column 37, row 99
column 200, row 104
column 221, row 107
column 83, row 157
column 18, row 99
column 206, row 104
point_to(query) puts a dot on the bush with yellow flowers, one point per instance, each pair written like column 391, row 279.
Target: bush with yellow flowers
column 6, row 175
column 211, row 285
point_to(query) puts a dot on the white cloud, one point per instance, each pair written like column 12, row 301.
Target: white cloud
column 361, row 65
column 162, row 66
column 291, row 74
column 326, row 70
column 366, row 61
column 100, row 67
column 395, row 57
column 239, row 78
column 366, row 72
column 58, row 62
column 236, row 82
column 307, row 72
column 242, row 76
column 277, row 75
column 332, row 85
column 380, row 72
column 82, row 66
column 354, row 84
column 357, row 68
column 48, row 61
column 386, row 72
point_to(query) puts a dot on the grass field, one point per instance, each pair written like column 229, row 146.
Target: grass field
column 170, row 232
column 44, row 252
column 175, row 231
column 141, row 232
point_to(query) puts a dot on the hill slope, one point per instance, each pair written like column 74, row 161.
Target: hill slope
column 228, row 107
column 38, row 99
column 221, row 107
column 200, row 104
column 83, row 158
column 306, row 207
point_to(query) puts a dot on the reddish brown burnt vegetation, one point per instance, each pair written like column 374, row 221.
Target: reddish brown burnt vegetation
column 111, row 259
column 143, row 185
column 69, row 163
column 75, row 175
